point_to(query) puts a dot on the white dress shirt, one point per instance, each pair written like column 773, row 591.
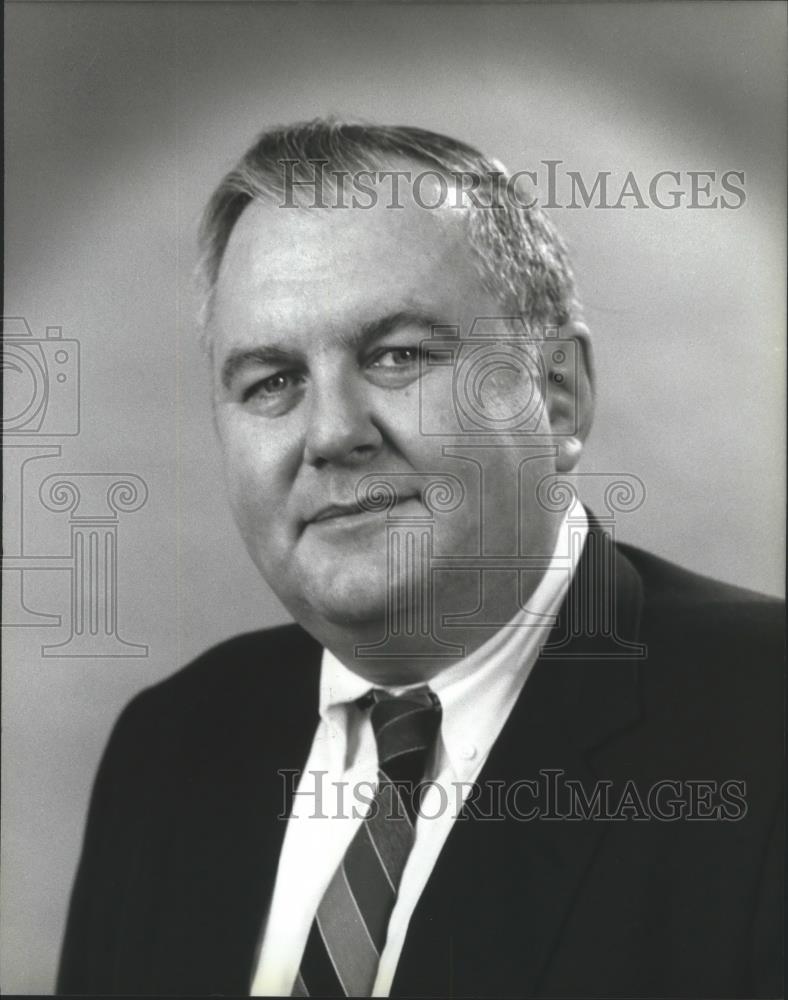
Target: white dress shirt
column 477, row 694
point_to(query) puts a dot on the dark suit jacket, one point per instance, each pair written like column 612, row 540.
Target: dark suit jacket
column 182, row 842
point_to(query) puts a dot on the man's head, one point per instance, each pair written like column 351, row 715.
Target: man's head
column 316, row 320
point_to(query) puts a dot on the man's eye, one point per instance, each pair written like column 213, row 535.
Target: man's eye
column 269, row 386
column 396, row 357
column 273, row 387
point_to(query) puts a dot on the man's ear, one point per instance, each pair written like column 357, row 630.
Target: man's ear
column 569, row 365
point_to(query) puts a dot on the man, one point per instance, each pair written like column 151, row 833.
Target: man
column 498, row 754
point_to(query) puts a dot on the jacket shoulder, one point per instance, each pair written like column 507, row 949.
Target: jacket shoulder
column 714, row 656
column 198, row 744
column 252, row 668
column 672, row 587
column 718, row 636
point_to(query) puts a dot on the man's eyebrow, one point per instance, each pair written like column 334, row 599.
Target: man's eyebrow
column 273, row 354
column 377, row 328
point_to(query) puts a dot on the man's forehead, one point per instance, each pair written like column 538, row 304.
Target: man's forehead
column 269, row 227
column 278, row 254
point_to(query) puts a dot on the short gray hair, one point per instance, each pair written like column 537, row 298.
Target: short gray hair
column 522, row 259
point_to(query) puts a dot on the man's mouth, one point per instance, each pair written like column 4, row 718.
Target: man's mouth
column 336, row 510
column 339, row 511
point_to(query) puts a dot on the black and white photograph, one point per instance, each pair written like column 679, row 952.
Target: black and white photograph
column 394, row 499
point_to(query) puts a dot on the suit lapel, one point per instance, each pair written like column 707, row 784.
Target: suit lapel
column 493, row 908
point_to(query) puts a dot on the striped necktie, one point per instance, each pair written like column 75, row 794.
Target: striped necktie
column 349, row 930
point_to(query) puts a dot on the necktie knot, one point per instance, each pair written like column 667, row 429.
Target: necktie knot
column 405, row 729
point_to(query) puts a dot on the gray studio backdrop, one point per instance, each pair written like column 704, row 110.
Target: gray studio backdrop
column 123, row 561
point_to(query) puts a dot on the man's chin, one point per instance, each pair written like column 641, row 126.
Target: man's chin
column 345, row 593
column 348, row 608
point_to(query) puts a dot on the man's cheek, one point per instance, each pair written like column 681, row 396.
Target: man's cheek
column 251, row 505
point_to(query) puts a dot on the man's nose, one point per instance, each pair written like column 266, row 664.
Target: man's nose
column 340, row 427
